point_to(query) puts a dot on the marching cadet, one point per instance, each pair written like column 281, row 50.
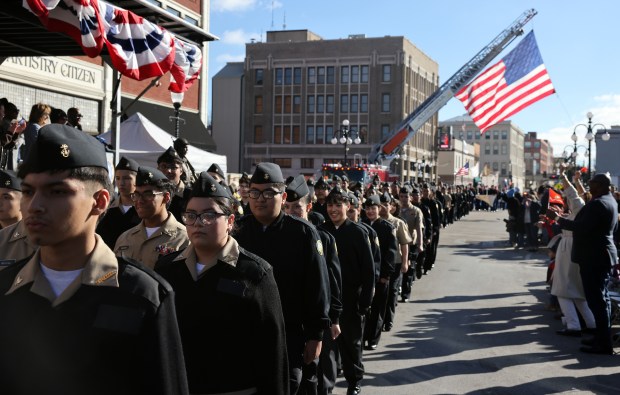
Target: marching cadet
column 294, row 249
column 75, row 318
column 435, row 208
column 358, row 279
column 214, row 278
column 244, row 187
column 171, row 164
column 158, row 233
column 386, row 234
column 321, row 189
column 401, row 261
column 412, row 214
column 216, row 172
column 14, row 245
column 298, row 204
column 121, row 214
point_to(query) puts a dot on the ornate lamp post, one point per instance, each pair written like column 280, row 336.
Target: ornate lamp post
column 590, row 135
column 345, row 136
column 177, row 99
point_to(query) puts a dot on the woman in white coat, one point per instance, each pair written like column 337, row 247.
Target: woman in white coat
column 567, row 285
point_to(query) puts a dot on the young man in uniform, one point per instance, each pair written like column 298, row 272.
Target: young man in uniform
column 321, row 189
column 121, row 214
column 159, row 233
column 295, row 251
column 411, row 213
column 244, row 188
column 14, row 244
column 298, row 204
column 358, row 280
column 217, row 173
column 77, row 320
column 171, row 164
column 181, row 146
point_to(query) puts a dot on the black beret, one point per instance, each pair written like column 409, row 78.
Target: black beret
column 415, row 191
column 310, row 182
column 215, row 168
column 9, row 180
column 337, row 192
column 127, row 164
column 245, row 177
column 206, row 186
column 297, row 189
column 354, row 200
column 405, row 189
column 62, row 147
column 149, row 176
column 289, row 179
column 385, row 197
column 336, row 178
column 169, row 156
column 373, row 200
column 321, row 184
column 267, row 173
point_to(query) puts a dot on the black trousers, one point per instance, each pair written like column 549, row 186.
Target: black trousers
column 328, row 364
column 374, row 323
column 350, row 343
column 595, row 288
column 309, row 379
column 431, row 252
column 295, row 347
column 408, row 277
column 392, row 297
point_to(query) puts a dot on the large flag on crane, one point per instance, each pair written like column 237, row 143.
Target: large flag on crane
column 504, row 89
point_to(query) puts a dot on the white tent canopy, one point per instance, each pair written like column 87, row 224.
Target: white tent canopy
column 143, row 141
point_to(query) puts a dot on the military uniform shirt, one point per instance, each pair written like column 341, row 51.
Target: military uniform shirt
column 115, row 222
column 14, row 244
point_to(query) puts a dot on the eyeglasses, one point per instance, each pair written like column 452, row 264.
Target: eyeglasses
column 206, row 218
column 147, row 196
column 267, row 193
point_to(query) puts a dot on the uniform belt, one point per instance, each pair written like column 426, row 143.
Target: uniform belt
column 247, row 391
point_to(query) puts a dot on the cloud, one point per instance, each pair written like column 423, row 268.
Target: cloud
column 226, row 57
column 232, row 5
column 238, row 37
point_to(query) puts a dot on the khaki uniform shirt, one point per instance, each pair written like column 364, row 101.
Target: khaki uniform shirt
column 134, row 244
column 413, row 217
column 14, row 244
column 101, row 270
column 402, row 234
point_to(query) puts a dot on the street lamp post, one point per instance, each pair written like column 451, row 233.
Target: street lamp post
column 590, row 135
column 345, row 136
column 177, row 99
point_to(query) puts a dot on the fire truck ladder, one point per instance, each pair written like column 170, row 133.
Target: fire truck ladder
column 387, row 149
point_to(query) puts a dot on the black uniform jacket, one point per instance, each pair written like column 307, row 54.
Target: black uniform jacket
column 231, row 322
column 388, row 245
column 293, row 247
column 374, row 247
column 335, row 275
column 320, row 208
column 112, row 331
column 115, row 222
column 356, row 263
column 593, row 227
column 179, row 201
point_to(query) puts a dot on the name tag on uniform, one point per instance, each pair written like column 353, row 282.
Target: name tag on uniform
column 6, row 262
column 231, row 287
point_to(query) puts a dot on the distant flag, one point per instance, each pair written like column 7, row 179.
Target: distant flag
column 463, row 171
column 475, row 171
column 504, row 89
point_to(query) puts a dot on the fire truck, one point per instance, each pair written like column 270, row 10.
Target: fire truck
column 363, row 173
column 388, row 148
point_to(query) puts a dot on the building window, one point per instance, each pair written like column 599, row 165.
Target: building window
column 364, row 103
column 278, row 107
column 329, row 108
column 320, row 104
column 191, row 20
column 297, row 76
column 288, row 76
column 320, row 75
column 156, row 2
column 258, row 76
column 385, row 102
column 329, row 133
column 504, row 135
column 258, row 105
column 320, row 134
column 296, row 135
column 309, row 134
column 495, row 134
column 504, row 149
column 354, row 103
column 470, row 135
column 487, row 149
column 344, row 74
column 385, row 131
column 344, row 103
column 286, row 135
column 487, row 136
column 173, row 11
column 355, row 74
column 279, row 76
column 364, row 74
column 387, row 73
column 528, row 144
column 310, row 106
column 503, row 170
column 331, row 75
column 307, row 163
column 311, row 75
column 258, row 134
column 288, row 104
column 537, row 155
column 296, row 104
column 285, row 163
column 536, row 144
column 277, row 135
column 495, row 149
column 495, row 166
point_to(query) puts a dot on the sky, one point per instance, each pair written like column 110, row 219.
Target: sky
column 578, row 41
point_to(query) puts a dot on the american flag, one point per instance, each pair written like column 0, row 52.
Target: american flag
column 463, row 171
column 504, row 89
column 138, row 48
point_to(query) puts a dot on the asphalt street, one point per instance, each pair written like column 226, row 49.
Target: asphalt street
column 478, row 323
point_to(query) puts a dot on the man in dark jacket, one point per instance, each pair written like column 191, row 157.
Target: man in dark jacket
column 594, row 250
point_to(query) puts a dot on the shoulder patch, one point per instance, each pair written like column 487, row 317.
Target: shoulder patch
column 319, row 247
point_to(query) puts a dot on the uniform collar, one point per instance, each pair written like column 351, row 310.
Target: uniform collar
column 18, row 232
column 170, row 227
column 101, row 270
column 180, row 189
column 228, row 254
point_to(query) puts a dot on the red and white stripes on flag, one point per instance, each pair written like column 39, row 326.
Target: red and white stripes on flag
column 138, row 48
column 504, row 89
column 463, row 171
